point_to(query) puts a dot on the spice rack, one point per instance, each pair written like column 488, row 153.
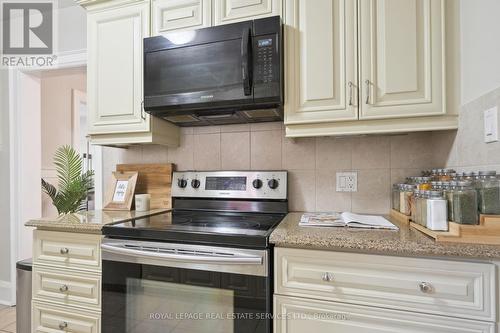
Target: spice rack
column 400, row 217
column 487, row 232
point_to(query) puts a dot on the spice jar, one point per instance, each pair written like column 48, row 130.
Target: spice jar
column 465, row 203
column 437, row 217
column 469, row 176
column 488, row 190
column 406, row 199
column 423, row 208
column 425, row 183
column 446, row 175
column 395, row 196
column 448, row 194
column 434, row 174
column 414, row 205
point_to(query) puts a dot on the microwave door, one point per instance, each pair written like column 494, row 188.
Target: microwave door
column 217, row 73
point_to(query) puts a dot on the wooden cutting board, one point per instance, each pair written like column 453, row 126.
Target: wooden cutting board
column 154, row 179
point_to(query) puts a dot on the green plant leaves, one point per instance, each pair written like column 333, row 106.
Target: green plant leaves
column 73, row 185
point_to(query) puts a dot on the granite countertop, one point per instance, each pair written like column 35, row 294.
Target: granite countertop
column 89, row 222
column 404, row 242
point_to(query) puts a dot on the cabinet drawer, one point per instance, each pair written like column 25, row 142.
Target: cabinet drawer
column 457, row 289
column 50, row 318
column 67, row 287
column 68, row 250
column 295, row 315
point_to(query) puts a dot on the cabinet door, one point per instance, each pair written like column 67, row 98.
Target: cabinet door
column 175, row 15
column 115, row 69
column 230, row 11
column 295, row 315
column 320, row 61
column 402, row 56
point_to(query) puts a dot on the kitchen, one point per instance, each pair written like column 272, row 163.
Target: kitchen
column 375, row 91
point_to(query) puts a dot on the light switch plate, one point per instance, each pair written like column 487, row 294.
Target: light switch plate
column 491, row 125
column 347, row 182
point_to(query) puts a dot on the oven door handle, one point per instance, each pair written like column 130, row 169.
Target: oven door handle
column 250, row 260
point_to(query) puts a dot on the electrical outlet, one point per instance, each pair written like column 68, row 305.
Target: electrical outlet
column 347, row 182
column 491, row 125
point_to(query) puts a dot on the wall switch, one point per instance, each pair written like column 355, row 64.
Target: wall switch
column 347, row 182
column 491, row 125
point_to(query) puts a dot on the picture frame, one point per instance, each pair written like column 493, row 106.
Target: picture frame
column 120, row 191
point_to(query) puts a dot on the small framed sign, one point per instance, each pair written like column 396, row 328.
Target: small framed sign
column 120, row 192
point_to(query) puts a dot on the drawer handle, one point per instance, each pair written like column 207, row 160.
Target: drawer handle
column 63, row 325
column 64, row 250
column 63, row 288
column 327, row 277
column 426, row 287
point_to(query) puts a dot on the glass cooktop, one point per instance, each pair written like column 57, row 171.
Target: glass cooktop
column 245, row 229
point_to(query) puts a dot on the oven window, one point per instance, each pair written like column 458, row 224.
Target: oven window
column 157, row 307
column 142, row 298
column 193, row 69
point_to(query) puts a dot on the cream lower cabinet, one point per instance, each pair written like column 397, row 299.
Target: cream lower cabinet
column 115, row 32
column 66, row 282
column 325, row 291
column 306, row 316
column 370, row 66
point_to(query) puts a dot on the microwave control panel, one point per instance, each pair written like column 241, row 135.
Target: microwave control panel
column 265, row 53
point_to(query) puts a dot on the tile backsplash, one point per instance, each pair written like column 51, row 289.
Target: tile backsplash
column 312, row 162
column 465, row 149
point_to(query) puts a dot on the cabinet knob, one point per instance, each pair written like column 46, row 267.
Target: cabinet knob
column 64, row 250
column 63, row 288
column 426, row 287
column 63, row 325
column 327, row 277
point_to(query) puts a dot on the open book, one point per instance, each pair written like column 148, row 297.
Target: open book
column 346, row 219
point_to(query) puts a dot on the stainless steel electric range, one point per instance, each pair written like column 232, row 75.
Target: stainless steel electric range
column 204, row 267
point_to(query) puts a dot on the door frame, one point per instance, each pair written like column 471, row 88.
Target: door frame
column 21, row 236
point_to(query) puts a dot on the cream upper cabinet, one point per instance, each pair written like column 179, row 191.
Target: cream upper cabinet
column 370, row 66
column 115, row 32
column 402, row 58
column 169, row 15
column 320, row 61
column 115, row 69
column 230, row 11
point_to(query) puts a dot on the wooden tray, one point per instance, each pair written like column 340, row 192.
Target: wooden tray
column 400, row 217
column 154, row 179
column 487, row 232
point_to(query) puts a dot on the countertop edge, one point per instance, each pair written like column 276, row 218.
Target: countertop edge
column 406, row 242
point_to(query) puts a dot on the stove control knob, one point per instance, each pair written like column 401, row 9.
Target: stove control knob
column 182, row 183
column 273, row 184
column 257, row 183
column 195, row 183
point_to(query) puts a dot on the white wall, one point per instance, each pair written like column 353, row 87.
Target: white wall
column 15, row 239
column 72, row 32
column 4, row 189
column 480, row 28
column 56, row 97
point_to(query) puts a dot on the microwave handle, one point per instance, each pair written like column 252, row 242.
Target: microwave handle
column 246, row 62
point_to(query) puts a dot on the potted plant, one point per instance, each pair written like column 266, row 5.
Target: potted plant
column 73, row 184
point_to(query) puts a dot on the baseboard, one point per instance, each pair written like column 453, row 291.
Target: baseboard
column 6, row 293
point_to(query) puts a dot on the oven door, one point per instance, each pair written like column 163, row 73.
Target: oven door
column 191, row 70
column 161, row 287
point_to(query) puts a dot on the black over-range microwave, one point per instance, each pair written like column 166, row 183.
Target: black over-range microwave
column 220, row 75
